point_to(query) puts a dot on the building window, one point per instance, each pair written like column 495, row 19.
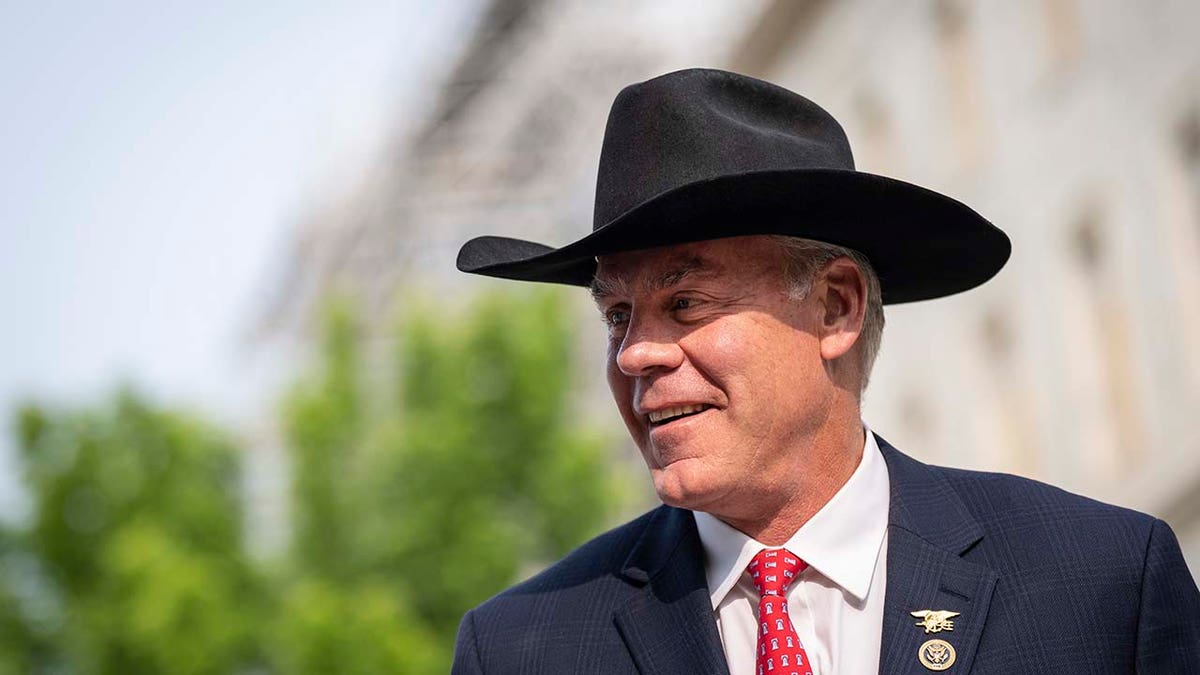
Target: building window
column 1188, row 139
column 952, row 24
column 1062, row 35
column 1104, row 334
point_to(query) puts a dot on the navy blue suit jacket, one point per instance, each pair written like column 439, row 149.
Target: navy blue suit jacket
column 1044, row 581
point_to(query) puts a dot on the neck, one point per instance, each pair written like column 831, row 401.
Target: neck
column 806, row 486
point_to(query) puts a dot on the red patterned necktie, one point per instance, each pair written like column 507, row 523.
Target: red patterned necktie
column 779, row 649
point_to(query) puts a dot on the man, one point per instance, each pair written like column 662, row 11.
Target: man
column 740, row 263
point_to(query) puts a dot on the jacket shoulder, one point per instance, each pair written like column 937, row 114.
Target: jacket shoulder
column 1015, row 499
column 556, row 615
column 1032, row 524
column 595, row 561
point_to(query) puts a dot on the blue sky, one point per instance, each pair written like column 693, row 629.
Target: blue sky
column 153, row 157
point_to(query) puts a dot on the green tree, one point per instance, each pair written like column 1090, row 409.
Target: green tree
column 134, row 545
column 17, row 644
column 422, row 500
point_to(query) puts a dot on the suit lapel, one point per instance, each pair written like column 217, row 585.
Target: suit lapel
column 929, row 530
column 668, row 627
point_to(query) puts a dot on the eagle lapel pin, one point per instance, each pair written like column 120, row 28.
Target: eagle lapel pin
column 936, row 655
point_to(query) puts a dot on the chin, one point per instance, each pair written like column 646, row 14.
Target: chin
column 683, row 488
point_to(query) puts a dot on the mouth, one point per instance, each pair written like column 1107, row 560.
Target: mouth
column 658, row 418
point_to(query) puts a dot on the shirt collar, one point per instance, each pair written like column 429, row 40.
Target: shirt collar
column 841, row 541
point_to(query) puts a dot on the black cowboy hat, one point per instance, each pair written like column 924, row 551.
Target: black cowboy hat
column 705, row 154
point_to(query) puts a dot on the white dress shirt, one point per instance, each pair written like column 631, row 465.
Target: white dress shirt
column 836, row 604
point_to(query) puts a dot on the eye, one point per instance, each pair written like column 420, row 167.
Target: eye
column 615, row 317
column 683, row 304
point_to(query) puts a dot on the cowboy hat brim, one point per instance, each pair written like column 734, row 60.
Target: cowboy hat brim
column 922, row 244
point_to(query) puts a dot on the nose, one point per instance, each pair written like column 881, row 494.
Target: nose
column 647, row 347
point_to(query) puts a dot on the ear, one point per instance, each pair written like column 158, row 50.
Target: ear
column 841, row 291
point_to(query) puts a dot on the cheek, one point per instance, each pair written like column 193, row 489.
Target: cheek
column 761, row 361
column 727, row 345
column 729, row 356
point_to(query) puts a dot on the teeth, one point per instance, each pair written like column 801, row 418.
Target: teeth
column 668, row 413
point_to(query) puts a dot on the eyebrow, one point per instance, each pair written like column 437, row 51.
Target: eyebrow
column 692, row 267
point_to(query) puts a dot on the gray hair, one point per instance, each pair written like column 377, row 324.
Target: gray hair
column 806, row 257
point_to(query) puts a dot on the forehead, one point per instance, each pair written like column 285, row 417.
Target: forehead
column 734, row 259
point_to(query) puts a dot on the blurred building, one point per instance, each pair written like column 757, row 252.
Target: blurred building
column 1074, row 126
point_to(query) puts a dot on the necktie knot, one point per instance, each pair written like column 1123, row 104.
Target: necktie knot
column 774, row 570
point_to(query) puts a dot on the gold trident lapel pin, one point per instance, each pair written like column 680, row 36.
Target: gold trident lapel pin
column 935, row 620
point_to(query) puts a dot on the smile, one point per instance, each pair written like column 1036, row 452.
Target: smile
column 675, row 412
